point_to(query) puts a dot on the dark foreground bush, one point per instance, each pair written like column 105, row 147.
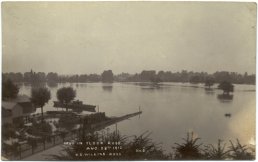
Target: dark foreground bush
column 143, row 148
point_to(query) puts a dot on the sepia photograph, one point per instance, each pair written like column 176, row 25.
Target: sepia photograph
column 120, row 80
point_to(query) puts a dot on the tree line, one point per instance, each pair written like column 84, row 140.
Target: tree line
column 144, row 76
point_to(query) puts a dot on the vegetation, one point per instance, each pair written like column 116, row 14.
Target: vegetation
column 195, row 79
column 65, row 95
column 40, row 96
column 189, row 149
column 144, row 76
column 149, row 149
column 68, row 121
column 216, row 153
column 9, row 90
column 134, row 147
column 155, row 80
column 209, row 82
column 227, row 87
column 9, row 131
column 107, row 76
column 240, row 152
column 40, row 129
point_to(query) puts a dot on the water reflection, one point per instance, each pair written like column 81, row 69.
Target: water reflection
column 171, row 105
column 35, row 84
column 82, row 85
column 52, row 84
column 107, row 87
column 209, row 91
column 225, row 97
column 150, row 86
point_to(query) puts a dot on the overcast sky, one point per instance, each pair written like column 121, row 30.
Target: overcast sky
column 89, row 37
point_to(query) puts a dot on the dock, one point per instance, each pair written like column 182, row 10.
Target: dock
column 113, row 120
column 75, row 106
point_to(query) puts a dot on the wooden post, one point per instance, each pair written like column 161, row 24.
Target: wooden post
column 54, row 141
column 20, row 151
column 32, row 149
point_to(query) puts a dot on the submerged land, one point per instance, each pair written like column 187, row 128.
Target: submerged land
column 26, row 133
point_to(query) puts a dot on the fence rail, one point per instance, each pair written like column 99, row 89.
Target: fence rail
column 21, row 151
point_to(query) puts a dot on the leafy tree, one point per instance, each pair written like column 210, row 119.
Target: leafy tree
column 53, row 77
column 227, row 87
column 40, row 96
column 65, row 95
column 209, row 82
column 194, row 79
column 10, row 90
column 107, row 76
column 155, row 80
column 147, row 75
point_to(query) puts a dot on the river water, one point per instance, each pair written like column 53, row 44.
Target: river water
column 170, row 110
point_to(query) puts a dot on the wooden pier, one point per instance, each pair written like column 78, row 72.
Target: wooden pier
column 75, row 106
column 113, row 120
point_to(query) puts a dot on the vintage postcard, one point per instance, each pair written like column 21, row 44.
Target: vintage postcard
column 142, row 80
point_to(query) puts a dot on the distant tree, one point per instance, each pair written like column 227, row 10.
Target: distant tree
column 161, row 75
column 10, row 90
column 65, row 95
column 15, row 77
column 184, row 76
column 194, row 79
column 83, row 78
column 155, row 80
column 52, row 77
column 41, row 76
column 147, row 75
column 107, row 76
column 209, row 82
column 40, row 96
column 94, row 78
column 221, row 76
column 227, row 87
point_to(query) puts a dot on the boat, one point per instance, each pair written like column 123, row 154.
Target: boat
column 75, row 106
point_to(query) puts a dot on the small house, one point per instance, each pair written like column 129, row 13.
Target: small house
column 16, row 110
